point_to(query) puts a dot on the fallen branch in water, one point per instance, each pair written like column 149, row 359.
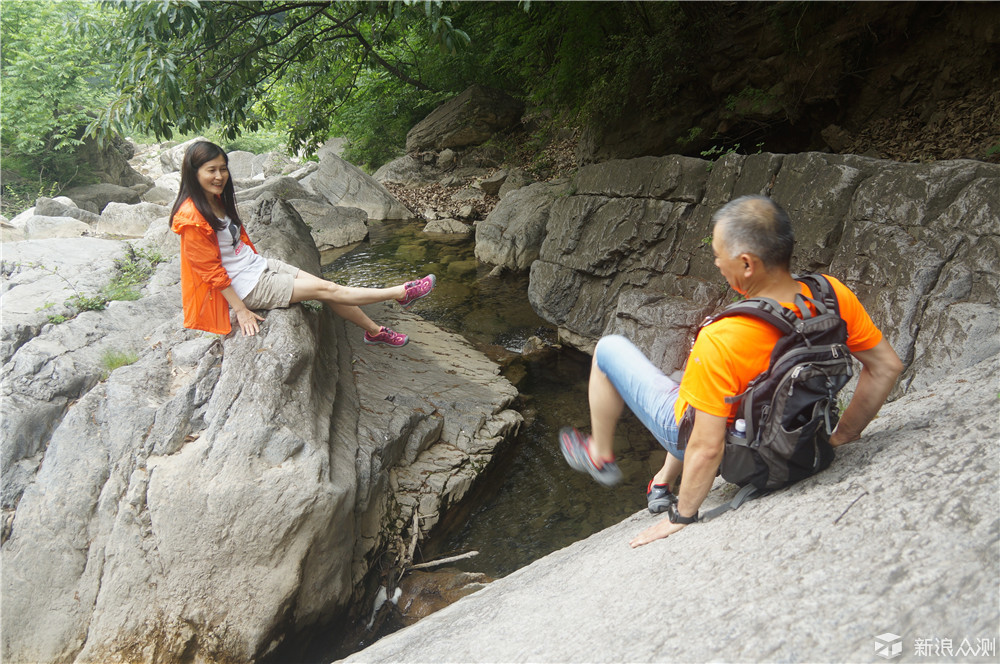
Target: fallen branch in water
column 442, row 561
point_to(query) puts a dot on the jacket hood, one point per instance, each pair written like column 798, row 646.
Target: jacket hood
column 187, row 215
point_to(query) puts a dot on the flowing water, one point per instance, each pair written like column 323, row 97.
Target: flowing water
column 530, row 502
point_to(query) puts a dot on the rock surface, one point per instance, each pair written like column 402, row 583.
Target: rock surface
column 342, row 183
column 899, row 535
column 95, row 197
column 513, row 232
column 217, row 494
column 468, row 119
column 919, row 243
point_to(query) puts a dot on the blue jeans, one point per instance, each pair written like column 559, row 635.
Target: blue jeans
column 647, row 391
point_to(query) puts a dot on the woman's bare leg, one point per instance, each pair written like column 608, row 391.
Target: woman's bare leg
column 354, row 314
column 310, row 287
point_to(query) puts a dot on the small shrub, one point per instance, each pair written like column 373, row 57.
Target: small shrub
column 113, row 359
column 82, row 302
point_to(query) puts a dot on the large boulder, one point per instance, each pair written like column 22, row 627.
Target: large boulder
column 40, row 227
column 51, row 207
column 11, row 233
column 447, row 227
column 332, row 226
column 512, row 234
column 901, row 524
column 40, row 275
column 344, row 184
column 247, row 165
column 283, row 187
column 172, row 157
column 122, row 220
column 208, row 496
column 471, row 118
column 408, row 172
column 169, row 182
column 635, row 233
column 110, row 162
column 160, row 196
column 95, row 197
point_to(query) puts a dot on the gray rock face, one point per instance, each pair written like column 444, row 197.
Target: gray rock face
column 246, row 165
column 287, row 188
column 172, row 158
column 39, row 227
column 492, row 184
column 409, row 172
column 516, row 179
column 38, row 277
column 49, row 207
column 120, row 219
column 448, row 226
column 218, row 493
column 628, row 251
column 95, row 197
column 332, row 226
column 512, row 234
column 884, row 540
column 468, row 119
column 160, row 196
column 344, row 184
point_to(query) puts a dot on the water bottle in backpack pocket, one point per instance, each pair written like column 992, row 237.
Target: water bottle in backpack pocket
column 790, row 409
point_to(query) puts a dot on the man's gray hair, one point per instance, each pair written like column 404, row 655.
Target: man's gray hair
column 757, row 225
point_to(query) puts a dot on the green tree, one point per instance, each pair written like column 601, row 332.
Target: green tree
column 242, row 65
column 52, row 78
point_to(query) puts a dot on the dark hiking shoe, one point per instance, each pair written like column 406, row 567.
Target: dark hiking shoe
column 574, row 446
column 659, row 497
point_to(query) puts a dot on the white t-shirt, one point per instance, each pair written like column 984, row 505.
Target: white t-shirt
column 241, row 263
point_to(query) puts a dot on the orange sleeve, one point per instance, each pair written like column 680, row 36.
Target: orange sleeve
column 862, row 334
column 201, row 252
column 708, row 377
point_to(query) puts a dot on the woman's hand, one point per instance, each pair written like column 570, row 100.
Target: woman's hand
column 248, row 322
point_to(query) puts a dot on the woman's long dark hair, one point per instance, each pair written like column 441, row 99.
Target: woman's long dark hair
column 196, row 155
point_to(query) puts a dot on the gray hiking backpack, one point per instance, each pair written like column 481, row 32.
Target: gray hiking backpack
column 791, row 408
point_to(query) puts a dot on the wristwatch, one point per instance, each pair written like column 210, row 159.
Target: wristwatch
column 675, row 516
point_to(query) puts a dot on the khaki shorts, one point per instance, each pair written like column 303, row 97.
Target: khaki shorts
column 274, row 288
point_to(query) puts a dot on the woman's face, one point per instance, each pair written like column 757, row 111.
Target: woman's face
column 212, row 176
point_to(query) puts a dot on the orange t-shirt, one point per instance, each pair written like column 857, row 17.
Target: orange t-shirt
column 732, row 351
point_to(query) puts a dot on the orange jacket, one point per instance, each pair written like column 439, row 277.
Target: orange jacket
column 202, row 276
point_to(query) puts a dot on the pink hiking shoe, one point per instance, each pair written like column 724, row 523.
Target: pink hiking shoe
column 387, row 337
column 417, row 289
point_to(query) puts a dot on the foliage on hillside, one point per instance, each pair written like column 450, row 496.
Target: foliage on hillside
column 371, row 70
column 53, row 77
column 368, row 71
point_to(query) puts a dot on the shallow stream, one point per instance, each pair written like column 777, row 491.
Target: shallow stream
column 530, row 502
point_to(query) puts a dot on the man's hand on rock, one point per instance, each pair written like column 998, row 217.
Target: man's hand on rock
column 662, row 528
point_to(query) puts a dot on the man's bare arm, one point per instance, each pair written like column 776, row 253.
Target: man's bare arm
column 701, row 463
column 880, row 369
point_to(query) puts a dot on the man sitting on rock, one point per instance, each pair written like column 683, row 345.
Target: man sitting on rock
column 752, row 241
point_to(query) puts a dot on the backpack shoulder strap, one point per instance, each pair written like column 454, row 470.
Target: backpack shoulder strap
column 821, row 289
column 763, row 308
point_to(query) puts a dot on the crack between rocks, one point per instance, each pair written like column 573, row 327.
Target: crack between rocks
column 924, row 302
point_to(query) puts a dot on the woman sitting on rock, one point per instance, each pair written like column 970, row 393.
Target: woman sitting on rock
column 220, row 267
